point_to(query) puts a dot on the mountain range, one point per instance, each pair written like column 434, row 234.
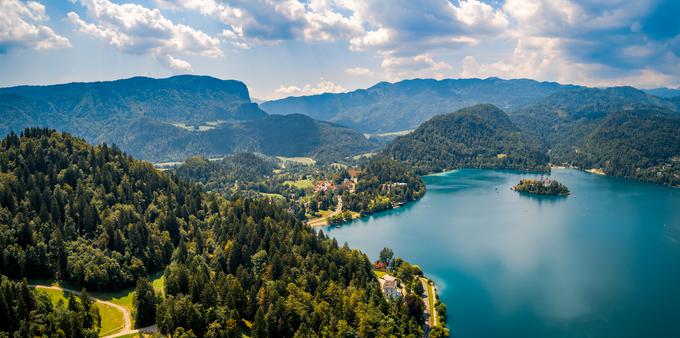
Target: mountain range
column 173, row 118
column 389, row 107
column 622, row 131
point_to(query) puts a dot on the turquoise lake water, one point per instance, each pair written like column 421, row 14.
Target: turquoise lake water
column 603, row 262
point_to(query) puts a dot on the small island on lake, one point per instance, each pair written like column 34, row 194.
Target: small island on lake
column 542, row 187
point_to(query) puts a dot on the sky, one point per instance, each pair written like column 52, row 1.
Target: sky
column 302, row 47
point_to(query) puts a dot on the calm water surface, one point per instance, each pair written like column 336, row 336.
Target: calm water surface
column 603, row 262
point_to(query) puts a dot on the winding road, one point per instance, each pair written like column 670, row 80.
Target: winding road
column 127, row 316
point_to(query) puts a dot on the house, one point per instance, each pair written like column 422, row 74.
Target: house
column 379, row 266
column 325, row 186
column 389, row 286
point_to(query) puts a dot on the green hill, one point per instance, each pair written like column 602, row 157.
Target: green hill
column 621, row 130
column 480, row 136
column 174, row 118
column 96, row 217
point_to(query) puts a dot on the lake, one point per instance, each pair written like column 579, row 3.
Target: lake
column 603, row 262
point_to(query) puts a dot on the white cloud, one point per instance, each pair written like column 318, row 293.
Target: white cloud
column 410, row 28
column 359, row 71
column 177, row 64
column 422, row 65
column 570, row 42
column 139, row 30
column 21, row 27
column 262, row 21
column 308, row 89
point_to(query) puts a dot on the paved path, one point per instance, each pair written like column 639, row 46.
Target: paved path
column 432, row 314
column 127, row 326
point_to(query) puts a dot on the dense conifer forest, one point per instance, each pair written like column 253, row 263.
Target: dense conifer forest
column 102, row 220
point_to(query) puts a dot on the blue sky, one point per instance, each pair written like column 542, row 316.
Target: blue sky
column 297, row 47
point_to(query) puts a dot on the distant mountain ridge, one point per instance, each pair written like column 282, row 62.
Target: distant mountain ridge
column 664, row 92
column 172, row 118
column 404, row 105
column 622, row 131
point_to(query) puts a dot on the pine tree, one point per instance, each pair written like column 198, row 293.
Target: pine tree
column 144, row 303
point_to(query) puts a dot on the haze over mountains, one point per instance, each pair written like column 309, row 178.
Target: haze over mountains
column 522, row 124
column 172, row 118
column 404, row 105
column 621, row 131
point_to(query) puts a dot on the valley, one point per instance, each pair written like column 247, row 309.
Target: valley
column 228, row 206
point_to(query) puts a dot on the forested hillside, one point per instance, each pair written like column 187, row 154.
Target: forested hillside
column 480, row 136
column 98, row 218
column 275, row 135
column 404, row 105
column 621, row 130
column 90, row 109
column 172, row 119
column 630, row 144
column 27, row 313
column 569, row 115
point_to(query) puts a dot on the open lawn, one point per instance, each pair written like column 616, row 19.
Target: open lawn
column 274, row 196
column 379, row 273
column 112, row 318
column 300, row 184
column 122, row 297
column 300, row 160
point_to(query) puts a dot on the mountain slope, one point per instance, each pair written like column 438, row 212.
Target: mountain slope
column 480, row 136
column 664, row 92
column 173, row 118
column 87, row 109
column 276, row 135
column 98, row 218
column 404, row 105
column 621, row 130
column 569, row 115
column 634, row 144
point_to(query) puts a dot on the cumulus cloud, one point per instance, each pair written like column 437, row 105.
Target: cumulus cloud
column 359, row 71
column 138, row 30
column 397, row 68
column 404, row 27
column 262, row 21
column 601, row 44
column 177, row 64
column 21, row 26
column 308, row 89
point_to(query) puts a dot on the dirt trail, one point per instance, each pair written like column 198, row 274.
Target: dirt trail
column 127, row 316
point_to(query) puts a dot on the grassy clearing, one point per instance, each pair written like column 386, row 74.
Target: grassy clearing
column 389, row 134
column 300, row 160
column 274, row 196
column 122, row 297
column 112, row 319
column 301, row 184
column 360, row 156
column 379, row 273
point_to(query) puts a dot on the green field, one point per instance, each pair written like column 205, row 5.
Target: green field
column 300, row 160
column 123, row 297
column 301, row 184
column 274, row 196
column 112, row 319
